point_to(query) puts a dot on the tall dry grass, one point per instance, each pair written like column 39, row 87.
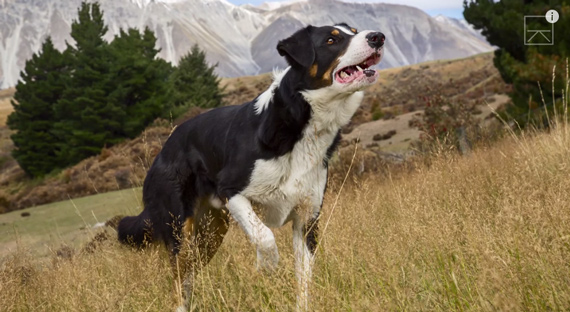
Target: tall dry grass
column 486, row 232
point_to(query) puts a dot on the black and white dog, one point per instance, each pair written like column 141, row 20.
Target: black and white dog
column 270, row 154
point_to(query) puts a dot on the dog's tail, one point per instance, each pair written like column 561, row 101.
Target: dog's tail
column 137, row 230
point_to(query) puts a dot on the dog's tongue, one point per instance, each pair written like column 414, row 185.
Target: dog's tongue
column 350, row 70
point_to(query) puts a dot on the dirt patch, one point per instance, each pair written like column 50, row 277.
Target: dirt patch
column 401, row 140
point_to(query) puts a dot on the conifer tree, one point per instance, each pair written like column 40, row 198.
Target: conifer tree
column 70, row 105
column 193, row 83
column 521, row 63
column 88, row 120
column 42, row 84
column 139, row 79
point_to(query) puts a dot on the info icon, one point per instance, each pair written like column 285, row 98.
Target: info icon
column 539, row 29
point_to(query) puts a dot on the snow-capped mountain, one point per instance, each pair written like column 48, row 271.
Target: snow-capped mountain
column 412, row 36
column 241, row 39
column 460, row 24
column 269, row 6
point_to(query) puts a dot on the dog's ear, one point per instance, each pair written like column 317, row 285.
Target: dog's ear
column 298, row 49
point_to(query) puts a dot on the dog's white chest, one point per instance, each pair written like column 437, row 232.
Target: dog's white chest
column 296, row 179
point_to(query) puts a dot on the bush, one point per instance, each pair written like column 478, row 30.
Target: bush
column 385, row 136
column 376, row 111
column 445, row 122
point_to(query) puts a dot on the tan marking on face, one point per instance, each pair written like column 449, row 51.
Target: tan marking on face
column 353, row 30
column 335, row 32
column 327, row 79
column 327, row 75
column 313, row 70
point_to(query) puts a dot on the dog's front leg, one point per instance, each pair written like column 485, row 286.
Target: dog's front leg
column 260, row 235
column 304, row 245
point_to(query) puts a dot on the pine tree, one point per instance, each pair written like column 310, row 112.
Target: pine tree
column 88, row 120
column 525, row 66
column 42, row 84
column 139, row 79
column 70, row 105
column 193, row 83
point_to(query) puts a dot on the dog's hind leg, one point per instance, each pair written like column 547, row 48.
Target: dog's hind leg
column 179, row 263
column 206, row 233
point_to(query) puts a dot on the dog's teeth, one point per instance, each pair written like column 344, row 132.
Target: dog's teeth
column 359, row 68
column 343, row 75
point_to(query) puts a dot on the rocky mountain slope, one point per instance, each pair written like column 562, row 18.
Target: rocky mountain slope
column 459, row 24
column 241, row 39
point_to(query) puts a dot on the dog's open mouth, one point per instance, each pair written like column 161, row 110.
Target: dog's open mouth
column 354, row 72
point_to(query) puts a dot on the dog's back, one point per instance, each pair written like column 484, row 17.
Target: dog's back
column 180, row 174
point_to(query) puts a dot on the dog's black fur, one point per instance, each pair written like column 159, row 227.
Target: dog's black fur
column 272, row 151
column 214, row 153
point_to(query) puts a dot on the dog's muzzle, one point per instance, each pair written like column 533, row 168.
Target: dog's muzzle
column 375, row 40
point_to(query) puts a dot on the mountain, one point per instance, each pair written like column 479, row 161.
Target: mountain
column 269, row 6
column 460, row 24
column 412, row 36
column 241, row 39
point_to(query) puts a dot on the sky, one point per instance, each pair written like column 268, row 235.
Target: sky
column 452, row 8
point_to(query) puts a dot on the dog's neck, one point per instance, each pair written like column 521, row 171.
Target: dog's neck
column 330, row 107
column 287, row 110
column 284, row 113
column 331, row 111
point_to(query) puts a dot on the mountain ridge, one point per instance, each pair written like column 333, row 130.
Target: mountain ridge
column 240, row 39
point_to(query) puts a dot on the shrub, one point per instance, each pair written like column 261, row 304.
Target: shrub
column 445, row 122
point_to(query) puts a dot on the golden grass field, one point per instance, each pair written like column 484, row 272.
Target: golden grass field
column 485, row 232
column 5, row 105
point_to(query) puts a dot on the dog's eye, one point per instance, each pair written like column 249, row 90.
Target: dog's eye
column 331, row 41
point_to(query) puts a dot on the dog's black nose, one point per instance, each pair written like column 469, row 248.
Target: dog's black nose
column 375, row 39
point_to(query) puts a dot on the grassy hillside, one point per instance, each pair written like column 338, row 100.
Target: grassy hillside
column 120, row 167
column 124, row 165
column 45, row 228
column 399, row 90
column 487, row 232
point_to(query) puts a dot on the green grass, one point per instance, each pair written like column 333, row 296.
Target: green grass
column 68, row 222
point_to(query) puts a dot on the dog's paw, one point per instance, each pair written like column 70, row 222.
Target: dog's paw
column 181, row 309
column 267, row 257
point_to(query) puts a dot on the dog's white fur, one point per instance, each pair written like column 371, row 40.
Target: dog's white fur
column 265, row 98
column 345, row 30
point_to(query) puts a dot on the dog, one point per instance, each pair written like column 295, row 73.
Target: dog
column 271, row 153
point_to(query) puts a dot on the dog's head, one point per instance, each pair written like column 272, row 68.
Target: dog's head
column 338, row 57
